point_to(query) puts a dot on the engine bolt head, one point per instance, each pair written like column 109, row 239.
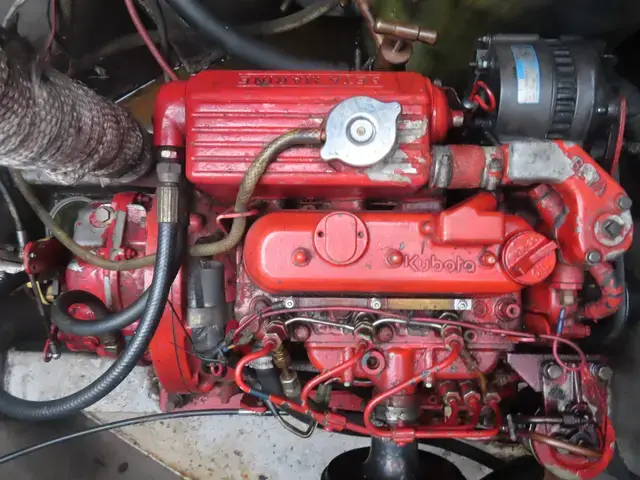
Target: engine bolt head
column 605, row 373
column 376, row 304
column 384, row 334
column 593, row 257
column 302, row 333
column 300, row 257
column 103, row 215
column 395, row 258
column 553, row 371
column 488, row 259
column 624, row 202
column 289, row 303
column 479, row 308
column 427, row 227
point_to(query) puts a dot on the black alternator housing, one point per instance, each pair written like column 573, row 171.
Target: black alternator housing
column 545, row 88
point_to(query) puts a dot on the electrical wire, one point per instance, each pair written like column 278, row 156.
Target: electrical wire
column 131, row 8
column 121, row 424
column 622, row 120
column 175, row 317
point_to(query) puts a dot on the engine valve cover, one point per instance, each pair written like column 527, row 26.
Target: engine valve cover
column 468, row 249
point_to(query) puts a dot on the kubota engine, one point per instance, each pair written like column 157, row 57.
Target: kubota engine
column 378, row 267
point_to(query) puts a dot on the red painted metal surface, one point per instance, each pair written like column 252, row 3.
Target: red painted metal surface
column 124, row 235
column 332, row 235
column 44, row 256
column 228, row 116
column 441, row 253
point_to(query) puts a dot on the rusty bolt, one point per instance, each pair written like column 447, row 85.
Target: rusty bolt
column 553, row 371
column 384, row 334
column 130, row 253
column 300, row 257
column 479, row 308
column 395, row 258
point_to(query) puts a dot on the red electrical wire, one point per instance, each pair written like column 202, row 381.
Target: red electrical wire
column 620, row 137
column 475, row 96
column 332, row 420
column 149, row 42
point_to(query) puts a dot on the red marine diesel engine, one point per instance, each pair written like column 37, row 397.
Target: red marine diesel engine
column 362, row 264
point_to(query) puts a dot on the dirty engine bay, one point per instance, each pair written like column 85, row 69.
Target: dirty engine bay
column 365, row 251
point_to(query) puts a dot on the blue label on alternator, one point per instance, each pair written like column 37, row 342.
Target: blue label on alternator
column 527, row 73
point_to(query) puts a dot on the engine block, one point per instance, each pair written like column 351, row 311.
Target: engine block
column 402, row 286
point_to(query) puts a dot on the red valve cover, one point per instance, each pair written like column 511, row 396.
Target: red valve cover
column 469, row 249
column 229, row 116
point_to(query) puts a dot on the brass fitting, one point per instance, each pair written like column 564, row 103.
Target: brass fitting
column 412, row 33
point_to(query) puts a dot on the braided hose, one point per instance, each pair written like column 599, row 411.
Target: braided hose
column 50, row 122
column 251, row 178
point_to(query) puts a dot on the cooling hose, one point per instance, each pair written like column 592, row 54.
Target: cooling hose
column 297, row 137
column 198, row 17
column 105, row 322
column 10, row 282
column 293, row 21
column 22, row 409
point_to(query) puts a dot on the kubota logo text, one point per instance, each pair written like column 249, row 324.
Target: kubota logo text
column 457, row 264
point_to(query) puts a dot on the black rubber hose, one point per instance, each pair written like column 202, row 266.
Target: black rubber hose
column 293, row 21
column 21, row 409
column 253, row 51
column 105, row 322
column 10, row 282
column 65, row 322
